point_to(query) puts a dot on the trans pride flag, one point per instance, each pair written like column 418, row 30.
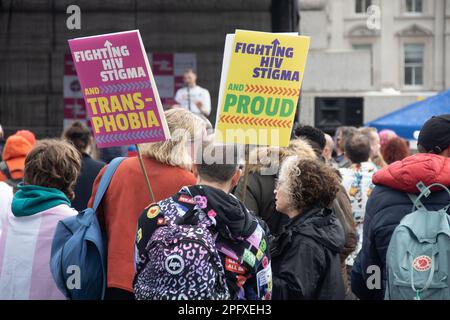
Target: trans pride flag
column 25, row 245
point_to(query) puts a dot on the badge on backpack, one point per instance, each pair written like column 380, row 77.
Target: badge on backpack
column 174, row 264
column 422, row 263
column 234, row 266
column 139, row 235
column 249, row 258
column 161, row 221
column 153, row 211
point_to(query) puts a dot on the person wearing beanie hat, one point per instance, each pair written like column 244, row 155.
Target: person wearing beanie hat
column 389, row 201
column 435, row 136
column 14, row 153
column 28, row 135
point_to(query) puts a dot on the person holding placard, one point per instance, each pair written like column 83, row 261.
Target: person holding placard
column 168, row 165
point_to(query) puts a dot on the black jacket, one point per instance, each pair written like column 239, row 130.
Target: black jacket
column 83, row 187
column 305, row 258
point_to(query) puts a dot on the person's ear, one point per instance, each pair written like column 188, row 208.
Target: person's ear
column 235, row 179
column 195, row 170
column 446, row 153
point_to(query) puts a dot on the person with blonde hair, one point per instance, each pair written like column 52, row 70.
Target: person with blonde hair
column 168, row 164
column 26, row 234
column 264, row 163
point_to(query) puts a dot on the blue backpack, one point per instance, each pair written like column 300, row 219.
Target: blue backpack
column 78, row 254
column 418, row 256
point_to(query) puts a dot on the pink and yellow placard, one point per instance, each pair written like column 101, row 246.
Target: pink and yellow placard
column 119, row 89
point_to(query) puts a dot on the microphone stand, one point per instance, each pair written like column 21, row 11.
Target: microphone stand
column 189, row 98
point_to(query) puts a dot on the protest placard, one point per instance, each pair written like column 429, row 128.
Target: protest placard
column 260, row 85
column 119, row 89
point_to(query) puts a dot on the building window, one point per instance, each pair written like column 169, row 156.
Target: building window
column 414, row 6
column 414, row 64
column 362, row 46
column 362, row 5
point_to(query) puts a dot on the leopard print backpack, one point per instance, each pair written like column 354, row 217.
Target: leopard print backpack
column 182, row 263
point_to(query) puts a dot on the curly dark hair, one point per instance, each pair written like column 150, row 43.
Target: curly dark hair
column 394, row 150
column 312, row 134
column 55, row 164
column 309, row 184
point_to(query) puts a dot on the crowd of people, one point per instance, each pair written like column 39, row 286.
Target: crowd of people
column 309, row 230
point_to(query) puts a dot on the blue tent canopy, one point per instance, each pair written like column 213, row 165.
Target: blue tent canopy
column 411, row 118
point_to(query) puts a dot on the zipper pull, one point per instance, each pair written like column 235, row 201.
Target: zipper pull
column 417, row 297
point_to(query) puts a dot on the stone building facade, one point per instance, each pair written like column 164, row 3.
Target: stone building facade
column 370, row 63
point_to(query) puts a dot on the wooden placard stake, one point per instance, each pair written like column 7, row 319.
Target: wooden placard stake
column 147, row 181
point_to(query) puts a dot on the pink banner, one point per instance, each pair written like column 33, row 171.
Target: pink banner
column 74, row 107
column 119, row 90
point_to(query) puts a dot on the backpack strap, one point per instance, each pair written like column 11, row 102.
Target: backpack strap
column 429, row 280
column 416, row 202
column 105, row 180
column 426, row 191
